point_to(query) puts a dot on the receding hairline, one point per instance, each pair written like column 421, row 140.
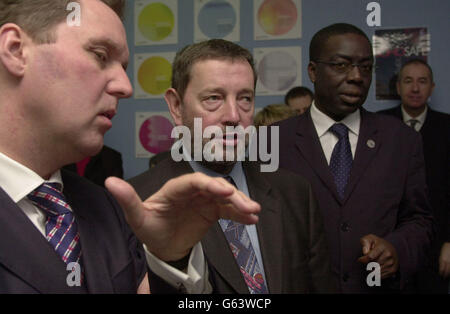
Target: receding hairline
column 417, row 62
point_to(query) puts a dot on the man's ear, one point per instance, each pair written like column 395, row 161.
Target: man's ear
column 174, row 102
column 312, row 71
column 12, row 42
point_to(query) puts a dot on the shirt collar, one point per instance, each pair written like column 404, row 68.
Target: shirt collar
column 421, row 117
column 237, row 173
column 18, row 181
column 322, row 122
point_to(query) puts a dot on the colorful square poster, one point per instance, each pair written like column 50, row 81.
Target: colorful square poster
column 279, row 69
column 277, row 19
column 153, row 133
column 153, row 74
column 216, row 19
column 155, row 22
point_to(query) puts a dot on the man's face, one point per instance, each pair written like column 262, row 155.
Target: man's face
column 339, row 94
column 415, row 86
column 221, row 92
column 300, row 104
column 73, row 85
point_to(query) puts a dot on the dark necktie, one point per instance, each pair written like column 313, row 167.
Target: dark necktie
column 341, row 158
column 243, row 252
column 412, row 123
column 60, row 228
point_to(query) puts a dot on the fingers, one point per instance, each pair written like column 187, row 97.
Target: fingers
column 444, row 260
column 444, row 269
column 217, row 189
column 378, row 250
column 367, row 243
column 186, row 186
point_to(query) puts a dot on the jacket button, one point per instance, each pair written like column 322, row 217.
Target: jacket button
column 345, row 227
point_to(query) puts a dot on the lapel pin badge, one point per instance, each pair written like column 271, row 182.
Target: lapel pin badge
column 371, row 143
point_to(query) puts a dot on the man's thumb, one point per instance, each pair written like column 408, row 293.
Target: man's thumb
column 128, row 199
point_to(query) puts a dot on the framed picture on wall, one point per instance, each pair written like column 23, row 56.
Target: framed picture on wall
column 153, row 133
column 275, row 19
column 216, row 19
column 279, row 69
column 392, row 48
column 152, row 74
column 156, row 22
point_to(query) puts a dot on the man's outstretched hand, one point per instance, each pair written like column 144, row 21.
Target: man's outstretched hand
column 174, row 219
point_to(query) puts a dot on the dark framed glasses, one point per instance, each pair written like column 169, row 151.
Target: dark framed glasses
column 345, row 66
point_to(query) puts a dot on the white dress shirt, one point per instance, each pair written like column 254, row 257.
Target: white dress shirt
column 328, row 139
column 420, row 118
column 18, row 181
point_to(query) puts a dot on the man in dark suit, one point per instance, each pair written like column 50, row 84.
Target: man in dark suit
column 214, row 82
column 366, row 170
column 59, row 89
column 415, row 85
column 107, row 163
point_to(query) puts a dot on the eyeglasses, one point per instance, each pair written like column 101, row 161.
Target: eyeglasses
column 345, row 67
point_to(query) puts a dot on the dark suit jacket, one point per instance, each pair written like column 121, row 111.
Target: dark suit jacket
column 290, row 233
column 385, row 194
column 101, row 166
column 436, row 148
column 113, row 259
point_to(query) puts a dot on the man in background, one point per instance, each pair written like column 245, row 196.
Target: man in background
column 272, row 113
column 107, row 163
column 415, row 85
column 299, row 98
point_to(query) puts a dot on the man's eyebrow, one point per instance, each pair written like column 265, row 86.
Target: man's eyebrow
column 111, row 45
column 247, row 90
column 364, row 59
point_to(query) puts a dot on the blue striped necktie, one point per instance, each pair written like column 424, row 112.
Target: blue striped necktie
column 60, row 228
column 243, row 252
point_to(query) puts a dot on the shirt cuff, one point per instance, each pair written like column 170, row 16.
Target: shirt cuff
column 192, row 280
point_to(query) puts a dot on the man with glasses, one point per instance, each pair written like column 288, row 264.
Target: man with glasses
column 366, row 170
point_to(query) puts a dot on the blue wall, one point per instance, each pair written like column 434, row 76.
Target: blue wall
column 433, row 14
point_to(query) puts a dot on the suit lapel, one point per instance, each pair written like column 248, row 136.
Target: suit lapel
column 27, row 254
column 216, row 246
column 219, row 256
column 97, row 278
column 269, row 225
column 429, row 127
column 308, row 144
column 367, row 147
column 398, row 112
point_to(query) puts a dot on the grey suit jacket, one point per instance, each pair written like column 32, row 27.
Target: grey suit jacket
column 290, row 233
column 113, row 259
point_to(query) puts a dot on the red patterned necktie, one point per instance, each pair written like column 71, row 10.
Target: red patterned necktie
column 60, row 228
column 243, row 252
